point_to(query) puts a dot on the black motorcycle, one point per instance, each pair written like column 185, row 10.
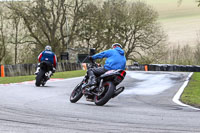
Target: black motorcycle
column 44, row 74
column 105, row 89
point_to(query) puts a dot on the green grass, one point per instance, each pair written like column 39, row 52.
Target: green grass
column 191, row 94
column 67, row 74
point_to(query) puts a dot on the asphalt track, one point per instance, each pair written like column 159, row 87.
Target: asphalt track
column 25, row 108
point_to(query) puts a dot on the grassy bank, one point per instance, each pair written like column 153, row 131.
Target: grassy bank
column 67, row 74
column 179, row 21
column 191, row 94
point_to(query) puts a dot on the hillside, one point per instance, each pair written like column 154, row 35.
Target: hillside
column 180, row 21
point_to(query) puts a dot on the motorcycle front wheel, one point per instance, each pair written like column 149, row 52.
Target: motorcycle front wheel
column 106, row 95
column 76, row 93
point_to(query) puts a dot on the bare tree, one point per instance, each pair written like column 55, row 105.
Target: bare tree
column 50, row 22
column 156, row 54
column 133, row 25
column 2, row 37
column 198, row 2
column 185, row 55
column 180, row 1
column 197, row 53
column 17, row 34
column 90, row 27
column 76, row 23
column 142, row 30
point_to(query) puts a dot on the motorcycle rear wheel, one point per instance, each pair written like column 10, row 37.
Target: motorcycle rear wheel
column 109, row 88
column 39, row 78
column 76, row 94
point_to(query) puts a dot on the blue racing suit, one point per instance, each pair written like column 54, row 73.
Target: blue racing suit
column 48, row 56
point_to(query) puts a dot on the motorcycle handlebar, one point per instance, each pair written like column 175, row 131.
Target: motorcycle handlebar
column 92, row 62
column 90, row 59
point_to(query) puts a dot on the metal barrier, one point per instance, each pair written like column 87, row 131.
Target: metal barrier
column 165, row 67
column 29, row 69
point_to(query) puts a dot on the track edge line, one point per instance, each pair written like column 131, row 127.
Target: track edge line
column 180, row 91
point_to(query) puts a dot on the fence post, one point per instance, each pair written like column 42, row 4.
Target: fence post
column 146, row 68
column 2, row 71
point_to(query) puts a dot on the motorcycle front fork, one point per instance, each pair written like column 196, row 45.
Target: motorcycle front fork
column 101, row 83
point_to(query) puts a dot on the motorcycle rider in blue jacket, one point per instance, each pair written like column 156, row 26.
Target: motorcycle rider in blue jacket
column 115, row 60
column 47, row 55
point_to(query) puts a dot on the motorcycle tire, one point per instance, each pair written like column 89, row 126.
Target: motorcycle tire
column 76, row 94
column 39, row 78
column 106, row 95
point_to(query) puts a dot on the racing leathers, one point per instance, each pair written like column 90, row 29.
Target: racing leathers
column 48, row 56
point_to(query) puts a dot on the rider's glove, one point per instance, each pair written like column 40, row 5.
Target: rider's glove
column 54, row 69
column 90, row 58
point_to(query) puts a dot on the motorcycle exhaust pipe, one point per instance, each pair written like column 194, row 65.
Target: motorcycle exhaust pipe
column 118, row 91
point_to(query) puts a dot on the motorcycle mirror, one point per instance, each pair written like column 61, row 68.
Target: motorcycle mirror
column 92, row 51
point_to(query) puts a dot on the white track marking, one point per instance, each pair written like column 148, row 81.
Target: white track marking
column 180, row 91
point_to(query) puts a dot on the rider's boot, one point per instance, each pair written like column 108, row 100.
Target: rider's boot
column 49, row 74
column 92, row 78
column 92, row 81
column 37, row 70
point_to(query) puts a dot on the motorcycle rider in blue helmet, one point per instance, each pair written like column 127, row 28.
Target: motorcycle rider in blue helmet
column 115, row 60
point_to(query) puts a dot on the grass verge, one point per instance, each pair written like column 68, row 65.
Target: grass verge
column 67, row 74
column 191, row 94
